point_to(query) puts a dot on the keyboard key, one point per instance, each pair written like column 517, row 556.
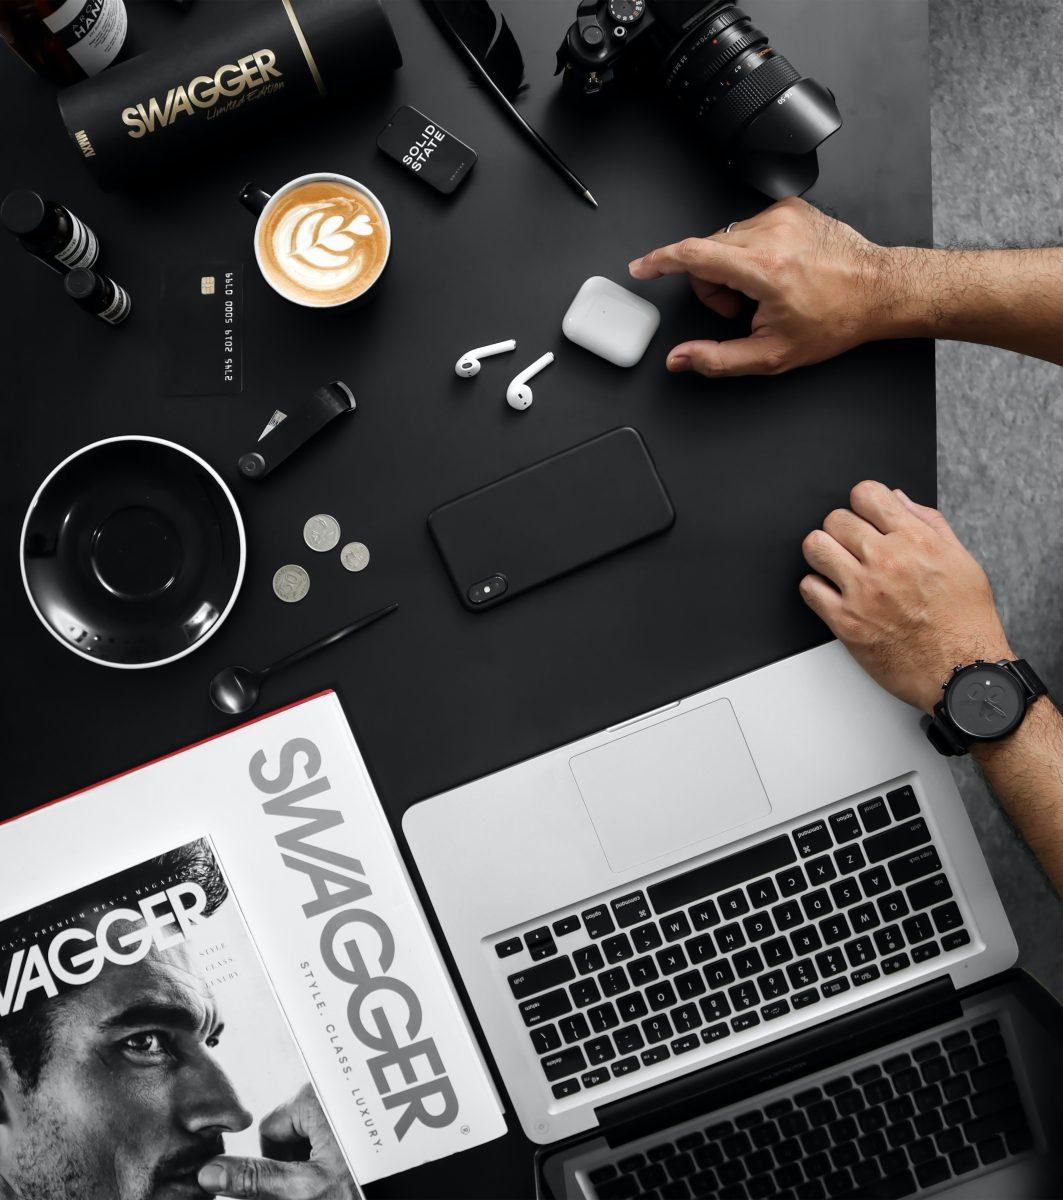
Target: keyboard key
column 713, row 1033
column 629, row 1039
column 849, row 859
column 563, row 1062
column 801, row 974
column 776, row 951
column 613, row 982
column 875, row 881
column 723, row 873
column 567, row 1088
column 675, row 927
column 946, row 917
column 631, row 1007
column 771, row 1012
column 758, row 926
column 704, row 915
column 889, row 940
column 845, row 892
column 791, row 881
column 873, row 814
column 762, row 892
column 540, row 943
column 654, row 1054
column 744, row 1021
column 689, row 984
column 985, row 1029
column 955, row 1040
column 617, row 949
column 508, row 947
column 747, row 962
column 545, row 1008
column 918, row 928
column 645, row 937
column 805, row 998
column 830, row 962
column 602, row 1017
column 601, row 1174
column 954, row 940
column 593, row 1079
column 772, row 985
column 834, row 987
column 656, row 1029
column 685, row 1018
column 574, row 1028
column 845, row 826
column 864, row 917
column 914, row 865
column 599, row 1050
column 893, row 907
column 807, row 940
column 835, row 929
column 896, row 840
column 816, row 904
column 630, row 909
column 701, row 948
column 821, row 870
column 597, row 921
column 538, row 979
column 811, row 839
column 991, row 1150
column 584, row 992
column 743, row 995
column 718, row 973
column 733, row 904
column 865, row 975
column 903, row 803
column 897, row 962
column 672, row 959
column 545, row 1039
column 661, row 995
column 565, row 926
column 587, row 959
column 714, row 1008
column 730, row 937
column 685, row 1044
column 929, row 891
column 624, row 1067
column 859, row 951
column 787, row 915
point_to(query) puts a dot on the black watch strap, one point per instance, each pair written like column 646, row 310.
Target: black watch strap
column 1028, row 677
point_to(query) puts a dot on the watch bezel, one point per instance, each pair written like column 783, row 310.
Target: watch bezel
column 957, row 679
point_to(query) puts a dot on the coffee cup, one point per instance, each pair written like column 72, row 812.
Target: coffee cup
column 321, row 240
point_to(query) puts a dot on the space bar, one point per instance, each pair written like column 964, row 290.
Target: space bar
column 723, row 873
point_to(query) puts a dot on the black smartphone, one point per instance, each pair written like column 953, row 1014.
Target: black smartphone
column 550, row 518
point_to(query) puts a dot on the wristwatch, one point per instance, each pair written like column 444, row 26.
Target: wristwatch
column 983, row 702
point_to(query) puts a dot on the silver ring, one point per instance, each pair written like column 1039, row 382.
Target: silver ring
column 730, row 227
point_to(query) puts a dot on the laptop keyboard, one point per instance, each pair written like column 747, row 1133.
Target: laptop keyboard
column 826, row 908
column 948, row 1110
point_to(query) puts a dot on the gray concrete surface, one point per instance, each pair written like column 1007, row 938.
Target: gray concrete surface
column 997, row 90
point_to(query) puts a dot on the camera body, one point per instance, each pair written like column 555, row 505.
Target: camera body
column 746, row 98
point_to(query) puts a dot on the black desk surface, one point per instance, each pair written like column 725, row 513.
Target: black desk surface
column 437, row 695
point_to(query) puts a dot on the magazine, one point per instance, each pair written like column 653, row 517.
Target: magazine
column 143, row 1049
column 309, row 858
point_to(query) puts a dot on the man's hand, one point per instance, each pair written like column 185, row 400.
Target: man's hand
column 818, row 284
column 291, row 1126
column 896, row 585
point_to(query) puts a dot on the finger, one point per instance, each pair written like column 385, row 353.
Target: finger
column 876, row 503
column 754, row 355
column 707, row 258
column 821, row 597
column 722, row 300
column 929, row 516
column 828, row 558
column 853, row 532
column 261, row 1179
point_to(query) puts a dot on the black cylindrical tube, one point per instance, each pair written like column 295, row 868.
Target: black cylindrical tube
column 259, row 63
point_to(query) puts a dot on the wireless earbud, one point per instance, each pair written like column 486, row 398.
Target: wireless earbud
column 518, row 394
column 469, row 364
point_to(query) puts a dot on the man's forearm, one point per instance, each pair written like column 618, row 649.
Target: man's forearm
column 1007, row 298
column 1025, row 771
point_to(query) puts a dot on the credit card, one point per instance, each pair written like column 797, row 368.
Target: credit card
column 202, row 329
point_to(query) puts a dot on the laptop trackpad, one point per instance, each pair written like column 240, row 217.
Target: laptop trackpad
column 670, row 786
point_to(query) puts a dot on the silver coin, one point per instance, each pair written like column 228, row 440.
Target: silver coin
column 322, row 532
column 291, row 583
column 355, row 556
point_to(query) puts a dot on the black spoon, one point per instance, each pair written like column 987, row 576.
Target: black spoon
column 234, row 690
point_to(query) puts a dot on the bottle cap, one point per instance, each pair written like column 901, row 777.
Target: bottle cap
column 81, row 283
column 23, row 211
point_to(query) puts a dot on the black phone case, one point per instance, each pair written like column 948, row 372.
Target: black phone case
column 551, row 518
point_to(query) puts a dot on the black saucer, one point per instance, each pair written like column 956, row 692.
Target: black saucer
column 132, row 552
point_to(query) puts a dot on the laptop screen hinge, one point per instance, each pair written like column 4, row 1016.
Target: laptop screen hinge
column 794, row 1057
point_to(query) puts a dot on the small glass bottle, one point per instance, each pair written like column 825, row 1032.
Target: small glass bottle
column 49, row 231
column 98, row 295
column 65, row 40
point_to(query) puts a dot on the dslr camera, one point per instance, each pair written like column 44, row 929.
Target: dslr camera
column 747, row 99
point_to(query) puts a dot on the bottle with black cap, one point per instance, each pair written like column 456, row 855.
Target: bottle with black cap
column 98, row 295
column 49, row 231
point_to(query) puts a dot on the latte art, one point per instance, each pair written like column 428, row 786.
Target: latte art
column 323, row 243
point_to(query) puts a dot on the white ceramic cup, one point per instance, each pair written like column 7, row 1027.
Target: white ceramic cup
column 261, row 204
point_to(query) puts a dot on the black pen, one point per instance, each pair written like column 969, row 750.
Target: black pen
column 437, row 8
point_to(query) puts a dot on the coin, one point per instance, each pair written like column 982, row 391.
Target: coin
column 291, row 583
column 322, row 532
column 355, row 556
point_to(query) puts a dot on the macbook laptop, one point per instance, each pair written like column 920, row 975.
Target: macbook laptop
column 724, row 876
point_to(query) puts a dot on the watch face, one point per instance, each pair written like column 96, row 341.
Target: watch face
column 984, row 701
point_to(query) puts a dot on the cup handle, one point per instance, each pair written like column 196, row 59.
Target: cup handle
column 254, row 199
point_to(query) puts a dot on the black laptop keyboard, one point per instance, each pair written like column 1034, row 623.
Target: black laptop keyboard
column 826, row 908
column 946, row 1111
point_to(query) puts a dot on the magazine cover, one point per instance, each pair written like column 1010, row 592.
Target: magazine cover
column 143, row 1053
column 289, row 809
